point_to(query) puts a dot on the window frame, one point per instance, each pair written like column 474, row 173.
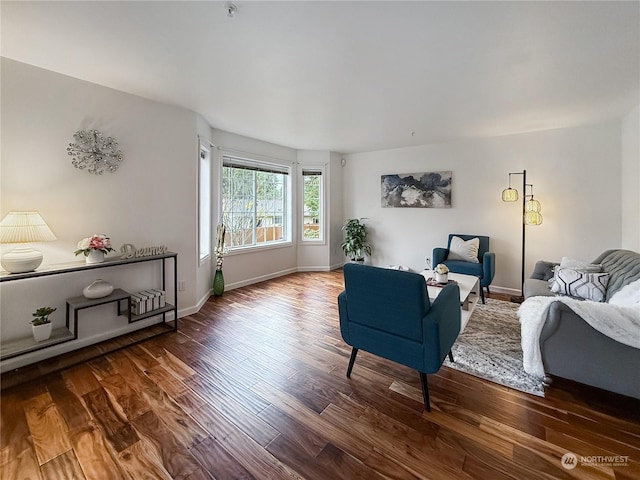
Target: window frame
column 321, row 240
column 204, row 208
column 268, row 164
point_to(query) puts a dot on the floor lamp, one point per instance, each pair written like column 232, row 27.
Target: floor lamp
column 530, row 216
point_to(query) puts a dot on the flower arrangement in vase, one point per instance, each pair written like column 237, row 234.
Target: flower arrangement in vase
column 94, row 248
column 442, row 272
column 219, row 251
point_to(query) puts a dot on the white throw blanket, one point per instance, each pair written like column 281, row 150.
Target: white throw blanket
column 619, row 319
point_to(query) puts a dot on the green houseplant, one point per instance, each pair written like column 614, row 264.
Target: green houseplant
column 40, row 324
column 355, row 244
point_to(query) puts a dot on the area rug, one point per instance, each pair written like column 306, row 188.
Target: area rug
column 489, row 348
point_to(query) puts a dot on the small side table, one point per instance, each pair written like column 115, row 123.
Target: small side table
column 80, row 303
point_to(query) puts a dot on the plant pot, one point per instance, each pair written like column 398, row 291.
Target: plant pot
column 218, row 283
column 98, row 289
column 95, row 256
column 41, row 332
column 442, row 277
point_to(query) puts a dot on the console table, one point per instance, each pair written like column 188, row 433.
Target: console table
column 21, row 346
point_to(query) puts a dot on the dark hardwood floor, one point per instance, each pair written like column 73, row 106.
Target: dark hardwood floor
column 254, row 386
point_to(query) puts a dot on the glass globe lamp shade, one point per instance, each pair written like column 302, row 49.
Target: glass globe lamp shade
column 509, row 195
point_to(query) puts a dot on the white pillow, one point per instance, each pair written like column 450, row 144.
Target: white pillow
column 580, row 266
column 627, row 296
column 590, row 286
column 461, row 250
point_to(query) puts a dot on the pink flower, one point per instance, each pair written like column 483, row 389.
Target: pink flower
column 96, row 242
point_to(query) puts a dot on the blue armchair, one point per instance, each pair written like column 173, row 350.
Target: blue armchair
column 388, row 313
column 485, row 269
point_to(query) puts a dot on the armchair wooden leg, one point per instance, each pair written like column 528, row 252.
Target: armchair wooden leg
column 482, row 295
column 354, row 352
column 425, row 391
column 451, row 356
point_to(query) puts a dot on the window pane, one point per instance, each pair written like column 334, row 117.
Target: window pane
column 253, row 203
column 312, row 198
column 204, row 211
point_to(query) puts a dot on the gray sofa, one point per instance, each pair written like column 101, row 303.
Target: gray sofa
column 572, row 349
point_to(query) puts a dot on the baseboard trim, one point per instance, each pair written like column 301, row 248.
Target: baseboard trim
column 508, row 291
column 262, row 278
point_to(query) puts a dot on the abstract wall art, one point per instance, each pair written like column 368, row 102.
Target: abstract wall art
column 417, row 190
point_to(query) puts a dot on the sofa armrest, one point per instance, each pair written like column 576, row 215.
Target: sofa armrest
column 543, row 270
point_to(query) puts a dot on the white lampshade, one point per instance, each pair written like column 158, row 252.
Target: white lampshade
column 23, row 227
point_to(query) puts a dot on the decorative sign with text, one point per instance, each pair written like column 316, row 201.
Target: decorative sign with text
column 130, row 251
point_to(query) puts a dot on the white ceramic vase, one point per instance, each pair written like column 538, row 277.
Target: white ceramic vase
column 95, row 256
column 98, row 289
column 442, row 277
column 41, row 332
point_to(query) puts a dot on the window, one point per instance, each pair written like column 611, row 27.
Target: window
column 255, row 202
column 312, row 204
column 204, row 205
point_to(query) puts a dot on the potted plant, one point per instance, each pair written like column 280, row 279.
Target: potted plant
column 355, row 244
column 94, row 248
column 41, row 325
column 442, row 273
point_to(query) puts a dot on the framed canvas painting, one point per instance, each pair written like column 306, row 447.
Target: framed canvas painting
column 417, row 190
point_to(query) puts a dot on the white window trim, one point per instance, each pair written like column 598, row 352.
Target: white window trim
column 323, row 196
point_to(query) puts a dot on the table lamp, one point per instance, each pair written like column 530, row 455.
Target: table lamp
column 23, row 227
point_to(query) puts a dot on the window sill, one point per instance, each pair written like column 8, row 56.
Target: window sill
column 259, row 248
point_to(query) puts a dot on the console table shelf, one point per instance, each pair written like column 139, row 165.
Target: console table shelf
column 21, row 346
column 158, row 311
column 28, row 344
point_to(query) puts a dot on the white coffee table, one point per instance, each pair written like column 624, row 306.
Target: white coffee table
column 469, row 293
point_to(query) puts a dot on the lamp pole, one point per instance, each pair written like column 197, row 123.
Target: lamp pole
column 511, row 195
column 520, row 299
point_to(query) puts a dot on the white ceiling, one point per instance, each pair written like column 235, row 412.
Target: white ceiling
column 349, row 76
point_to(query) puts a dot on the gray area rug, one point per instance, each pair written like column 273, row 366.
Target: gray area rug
column 489, row 348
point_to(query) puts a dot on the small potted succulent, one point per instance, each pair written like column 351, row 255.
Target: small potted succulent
column 41, row 325
column 442, row 273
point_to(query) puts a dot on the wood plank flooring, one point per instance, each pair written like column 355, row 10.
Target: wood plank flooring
column 253, row 387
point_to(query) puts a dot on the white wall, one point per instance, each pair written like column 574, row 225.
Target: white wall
column 314, row 255
column 576, row 173
column 150, row 200
column 246, row 268
column 204, row 273
column 631, row 180
column 336, row 219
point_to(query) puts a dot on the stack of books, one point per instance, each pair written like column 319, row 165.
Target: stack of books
column 147, row 301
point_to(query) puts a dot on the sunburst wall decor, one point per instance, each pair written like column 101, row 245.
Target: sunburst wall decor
column 94, row 152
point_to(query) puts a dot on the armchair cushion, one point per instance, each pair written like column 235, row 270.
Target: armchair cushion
column 464, row 250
